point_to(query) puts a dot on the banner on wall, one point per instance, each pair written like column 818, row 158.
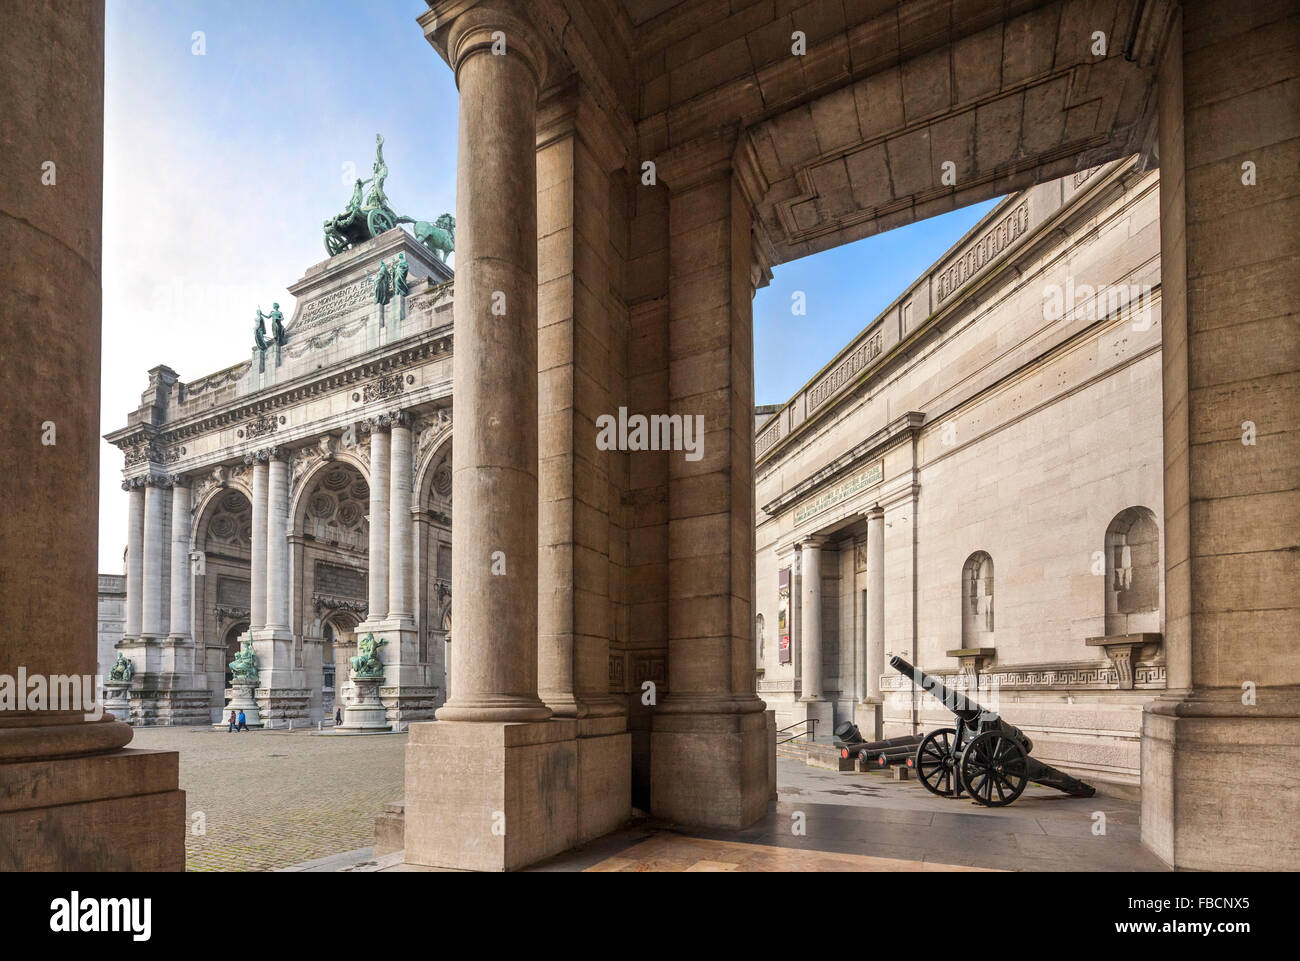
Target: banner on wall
column 783, row 615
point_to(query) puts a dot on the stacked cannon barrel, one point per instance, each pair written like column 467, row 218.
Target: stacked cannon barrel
column 886, row 753
column 982, row 756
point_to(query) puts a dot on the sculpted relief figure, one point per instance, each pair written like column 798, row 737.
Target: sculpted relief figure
column 123, row 669
column 259, row 330
column 367, row 663
column 244, row 666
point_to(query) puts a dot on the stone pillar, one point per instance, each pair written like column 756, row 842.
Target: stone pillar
column 810, row 598
column 399, row 520
column 153, row 620
column 576, row 150
column 134, row 556
column 377, row 557
column 493, row 729
column 70, row 799
column 277, row 541
column 709, row 741
column 257, row 572
column 181, row 575
column 1219, row 747
column 875, row 661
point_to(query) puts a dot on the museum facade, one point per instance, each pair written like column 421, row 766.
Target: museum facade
column 974, row 483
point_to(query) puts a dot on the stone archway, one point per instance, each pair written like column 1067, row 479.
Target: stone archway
column 222, row 582
column 433, row 554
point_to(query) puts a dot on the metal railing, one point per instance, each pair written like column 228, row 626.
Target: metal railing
column 811, row 731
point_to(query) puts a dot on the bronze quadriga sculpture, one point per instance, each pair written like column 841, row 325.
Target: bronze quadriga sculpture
column 982, row 756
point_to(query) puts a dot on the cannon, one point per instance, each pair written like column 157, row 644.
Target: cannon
column 983, row 755
column 896, row 749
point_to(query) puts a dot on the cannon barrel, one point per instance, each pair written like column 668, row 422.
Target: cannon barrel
column 960, row 705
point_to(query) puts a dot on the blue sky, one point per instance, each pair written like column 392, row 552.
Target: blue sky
column 219, row 169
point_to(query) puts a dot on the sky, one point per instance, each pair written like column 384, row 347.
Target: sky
column 224, row 152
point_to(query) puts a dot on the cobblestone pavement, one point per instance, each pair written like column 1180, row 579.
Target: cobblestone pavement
column 272, row 799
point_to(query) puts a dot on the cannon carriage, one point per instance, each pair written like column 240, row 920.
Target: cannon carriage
column 983, row 755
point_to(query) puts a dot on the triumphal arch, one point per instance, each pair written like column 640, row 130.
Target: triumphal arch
column 302, row 497
column 629, row 172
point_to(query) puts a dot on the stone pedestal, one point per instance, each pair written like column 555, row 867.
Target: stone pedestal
column 710, row 770
column 117, row 699
column 407, row 691
column 363, row 710
column 283, row 696
column 489, row 796
column 241, row 699
column 868, row 715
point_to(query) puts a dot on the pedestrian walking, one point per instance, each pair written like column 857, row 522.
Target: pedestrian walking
column 230, row 728
column 243, row 722
column 338, row 716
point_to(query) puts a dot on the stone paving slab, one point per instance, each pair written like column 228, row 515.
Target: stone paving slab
column 274, row 799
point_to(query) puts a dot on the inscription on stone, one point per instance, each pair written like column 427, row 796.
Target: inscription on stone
column 339, row 581
column 337, row 303
column 868, row 478
column 232, row 592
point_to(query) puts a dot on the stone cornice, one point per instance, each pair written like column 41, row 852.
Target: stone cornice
column 869, row 449
column 354, row 371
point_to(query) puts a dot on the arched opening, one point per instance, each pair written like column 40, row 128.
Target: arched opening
column 222, row 583
column 977, row 601
column 433, row 525
column 1133, row 572
column 231, row 644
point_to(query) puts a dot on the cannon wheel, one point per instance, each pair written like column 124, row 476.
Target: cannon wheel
column 936, row 763
column 335, row 245
column 380, row 220
column 993, row 769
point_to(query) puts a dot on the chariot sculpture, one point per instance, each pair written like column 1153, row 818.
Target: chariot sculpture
column 369, row 214
column 983, row 756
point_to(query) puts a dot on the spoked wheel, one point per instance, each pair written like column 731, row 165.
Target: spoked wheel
column 993, row 769
column 380, row 220
column 936, row 762
column 335, row 244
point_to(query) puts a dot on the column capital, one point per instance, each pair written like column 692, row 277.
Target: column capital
column 379, row 423
column 161, row 481
column 400, row 418
column 180, row 480
column 875, row 512
column 815, row 541
column 275, row 453
column 253, row 458
column 489, row 28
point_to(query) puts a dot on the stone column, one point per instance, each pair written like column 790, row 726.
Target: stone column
column 494, row 448
column 810, row 599
column 377, row 557
column 875, row 601
column 399, row 519
column 153, row 620
column 493, row 730
column 277, row 541
column 134, row 555
column 709, row 735
column 1225, row 736
column 181, row 576
column 257, row 574
column 60, row 808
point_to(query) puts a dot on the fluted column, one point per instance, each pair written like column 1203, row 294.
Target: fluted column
column 494, row 479
column 257, row 573
column 181, row 575
column 400, row 525
column 810, row 599
column 277, row 541
column 875, row 600
column 379, row 516
column 134, row 555
column 152, row 619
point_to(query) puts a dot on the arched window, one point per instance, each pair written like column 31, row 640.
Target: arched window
column 977, row 601
column 1133, row 573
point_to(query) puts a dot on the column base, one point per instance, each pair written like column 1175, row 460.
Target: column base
column 604, row 797
column 407, row 692
column 283, row 697
column 120, row 811
column 822, row 711
column 710, row 769
column 490, row 796
column 869, row 716
column 1219, row 777
column 168, row 700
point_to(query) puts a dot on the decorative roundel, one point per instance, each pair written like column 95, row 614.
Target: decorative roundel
column 442, row 480
column 350, row 513
column 234, row 502
column 322, row 505
column 223, row 527
column 356, row 396
column 246, row 533
column 361, row 491
column 337, row 479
